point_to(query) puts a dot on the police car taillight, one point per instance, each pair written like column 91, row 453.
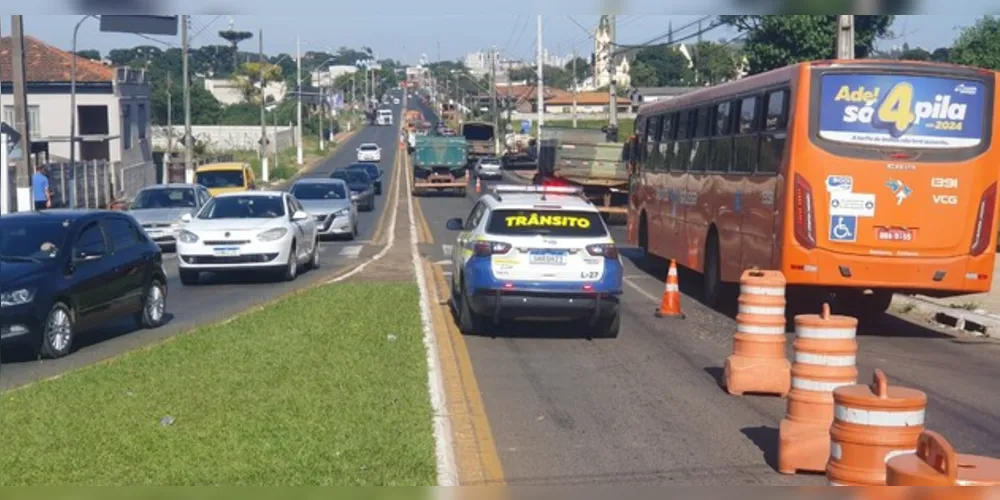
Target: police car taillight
column 603, row 250
column 487, row 248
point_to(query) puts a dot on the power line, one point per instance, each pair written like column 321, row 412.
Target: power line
column 205, row 27
column 161, row 42
column 653, row 42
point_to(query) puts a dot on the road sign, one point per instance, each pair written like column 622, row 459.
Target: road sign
column 148, row 25
column 525, row 126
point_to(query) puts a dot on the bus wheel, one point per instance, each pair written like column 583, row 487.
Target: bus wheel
column 644, row 236
column 712, row 273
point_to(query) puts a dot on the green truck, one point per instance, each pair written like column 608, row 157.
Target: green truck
column 439, row 163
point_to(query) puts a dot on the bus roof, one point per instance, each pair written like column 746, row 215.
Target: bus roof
column 777, row 77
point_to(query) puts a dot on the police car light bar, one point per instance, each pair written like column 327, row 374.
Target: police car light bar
column 513, row 188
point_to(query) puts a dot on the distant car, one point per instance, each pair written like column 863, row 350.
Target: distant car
column 489, row 167
column 370, row 151
column 395, row 100
column 159, row 209
column 261, row 230
column 227, row 177
column 362, row 189
column 64, row 272
column 329, row 202
column 373, row 171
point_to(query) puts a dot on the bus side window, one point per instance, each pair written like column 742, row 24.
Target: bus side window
column 682, row 146
column 652, row 131
column 722, row 141
column 747, row 140
column 772, row 140
column 701, row 146
column 666, row 141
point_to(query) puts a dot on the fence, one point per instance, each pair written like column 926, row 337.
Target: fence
column 226, row 138
column 91, row 184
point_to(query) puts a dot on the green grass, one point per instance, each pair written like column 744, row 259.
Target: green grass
column 309, row 391
column 287, row 157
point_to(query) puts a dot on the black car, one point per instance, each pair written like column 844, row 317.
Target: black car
column 63, row 272
column 360, row 183
column 373, row 171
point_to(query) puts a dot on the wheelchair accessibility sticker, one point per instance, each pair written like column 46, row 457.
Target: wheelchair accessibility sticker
column 844, row 228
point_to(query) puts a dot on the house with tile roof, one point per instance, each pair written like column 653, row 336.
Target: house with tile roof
column 586, row 103
column 112, row 105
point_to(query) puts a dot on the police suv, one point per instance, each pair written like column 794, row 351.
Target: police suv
column 535, row 252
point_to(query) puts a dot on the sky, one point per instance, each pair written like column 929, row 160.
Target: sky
column 441, row 36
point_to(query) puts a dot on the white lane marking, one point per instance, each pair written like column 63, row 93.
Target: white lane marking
column 447, row 471
column 351, row 252
column 447, row 249
column 628, row 281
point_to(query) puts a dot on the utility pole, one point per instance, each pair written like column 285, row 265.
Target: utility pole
column 845, row 37
column 188, row 146
column 575, row 89
column 24, row 199
column 612, row 72
column 507, row 98
column 540, row 86
column 264, row 170
column 322, row 145
column 298, row 105
column 170, row 133
column 493, row 101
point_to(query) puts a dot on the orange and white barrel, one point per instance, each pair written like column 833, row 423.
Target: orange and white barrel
column 936, row 463
column 871, row 425
column 825, row 353
column 758, row 362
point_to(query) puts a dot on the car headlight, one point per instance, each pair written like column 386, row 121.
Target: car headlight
column 272, row 234
column 17, row 297
column 187, row 237
column 342, row 212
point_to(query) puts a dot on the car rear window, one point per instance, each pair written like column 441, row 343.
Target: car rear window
column 547, row 222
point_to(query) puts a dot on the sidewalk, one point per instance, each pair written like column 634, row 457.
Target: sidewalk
column 977, row 313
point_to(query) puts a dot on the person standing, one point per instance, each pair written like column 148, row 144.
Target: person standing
column 40, row 186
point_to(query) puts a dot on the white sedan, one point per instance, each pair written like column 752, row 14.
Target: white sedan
column 262, row 231
column 370, row 151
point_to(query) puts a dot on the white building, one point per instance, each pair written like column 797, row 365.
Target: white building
column 112, row 105
column 228, row 92
column 325, row 78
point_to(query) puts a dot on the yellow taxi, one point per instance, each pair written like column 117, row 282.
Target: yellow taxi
column 228, row 177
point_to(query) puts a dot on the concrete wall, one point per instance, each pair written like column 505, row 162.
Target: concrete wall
column 227, row 93
column 602, row 115
column 55, row 119
column 225, row 138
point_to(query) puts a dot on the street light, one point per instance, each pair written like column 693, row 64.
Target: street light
column 298, row 107
column 72, row 97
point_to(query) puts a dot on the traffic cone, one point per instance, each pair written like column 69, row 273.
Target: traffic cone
column 670, row 306
column 479, row 186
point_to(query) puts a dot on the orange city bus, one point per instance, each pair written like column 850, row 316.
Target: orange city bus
column 855, row 179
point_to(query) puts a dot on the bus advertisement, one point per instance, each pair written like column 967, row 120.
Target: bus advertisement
column 857, row 179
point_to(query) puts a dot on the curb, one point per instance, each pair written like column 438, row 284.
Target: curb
column 977, row 323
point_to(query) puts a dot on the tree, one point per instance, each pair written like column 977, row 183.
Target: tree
column 94, row 55
column 247, row 79
column 914, row 54
column 941, row 54
column 777, row 41
column 583, row 68
column 660, row 66
column 715, row 62
column 979, row 44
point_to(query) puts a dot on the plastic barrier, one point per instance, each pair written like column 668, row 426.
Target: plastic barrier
column 758, row 361
column 670, row 305
column 937, row 464
column 825, row 357
column 871, row 425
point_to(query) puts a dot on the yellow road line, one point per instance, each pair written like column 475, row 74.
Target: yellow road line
column 475, row 450
column 380, row 225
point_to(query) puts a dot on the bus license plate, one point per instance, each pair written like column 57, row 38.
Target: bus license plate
column 895, row 234
column 548, row 259
column 227, row 252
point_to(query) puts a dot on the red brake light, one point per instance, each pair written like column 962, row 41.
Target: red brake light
column 983, row 233
column 487, row 248
column 607, row 251
column 804, row 215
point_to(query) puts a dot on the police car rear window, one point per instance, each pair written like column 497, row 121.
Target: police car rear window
column 547, row 222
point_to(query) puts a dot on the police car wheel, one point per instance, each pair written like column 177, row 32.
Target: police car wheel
column 469, row 323
column 607, row 327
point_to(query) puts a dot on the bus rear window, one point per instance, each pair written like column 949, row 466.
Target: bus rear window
column 901, row 111
column 547, row 222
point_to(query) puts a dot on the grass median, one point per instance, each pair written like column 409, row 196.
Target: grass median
column 328, row 387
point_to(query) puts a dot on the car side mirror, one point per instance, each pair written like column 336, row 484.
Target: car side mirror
column 187, row 218
column 300, row 215
column 455, row 224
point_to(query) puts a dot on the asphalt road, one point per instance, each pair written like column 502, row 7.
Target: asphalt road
column 647, row 407
column 218, row 297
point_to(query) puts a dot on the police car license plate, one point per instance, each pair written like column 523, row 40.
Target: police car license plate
column 227, row 252
column 548, row 259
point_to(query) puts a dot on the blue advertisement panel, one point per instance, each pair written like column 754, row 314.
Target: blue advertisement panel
column 901, row 111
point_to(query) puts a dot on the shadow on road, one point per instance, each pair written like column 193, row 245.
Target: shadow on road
column 765, row 438
column 23, row 350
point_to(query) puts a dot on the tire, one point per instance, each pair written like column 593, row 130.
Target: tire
column 189, row 277
column 154, row 306
column 607, row 327
column 461, row 192
column 292, row 266
column 712, row 273
column 378, row 189
column 469, row 323
column 57, row 334
column 314, row 257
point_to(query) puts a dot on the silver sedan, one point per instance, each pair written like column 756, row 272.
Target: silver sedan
column 329, row 202
column 159, row 209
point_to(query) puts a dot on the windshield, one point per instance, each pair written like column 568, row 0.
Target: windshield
column 901, row 111
column 319, row 191
column 368, row 147
column 243, row 207
column 353, row 177
column 547, row 222
column 368, row 168
column 385, row 112
column 221, row 178
column 477, row 132
column 164, row 198
column 36, row 240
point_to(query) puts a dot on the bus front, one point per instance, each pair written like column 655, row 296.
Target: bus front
column 895, row 187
